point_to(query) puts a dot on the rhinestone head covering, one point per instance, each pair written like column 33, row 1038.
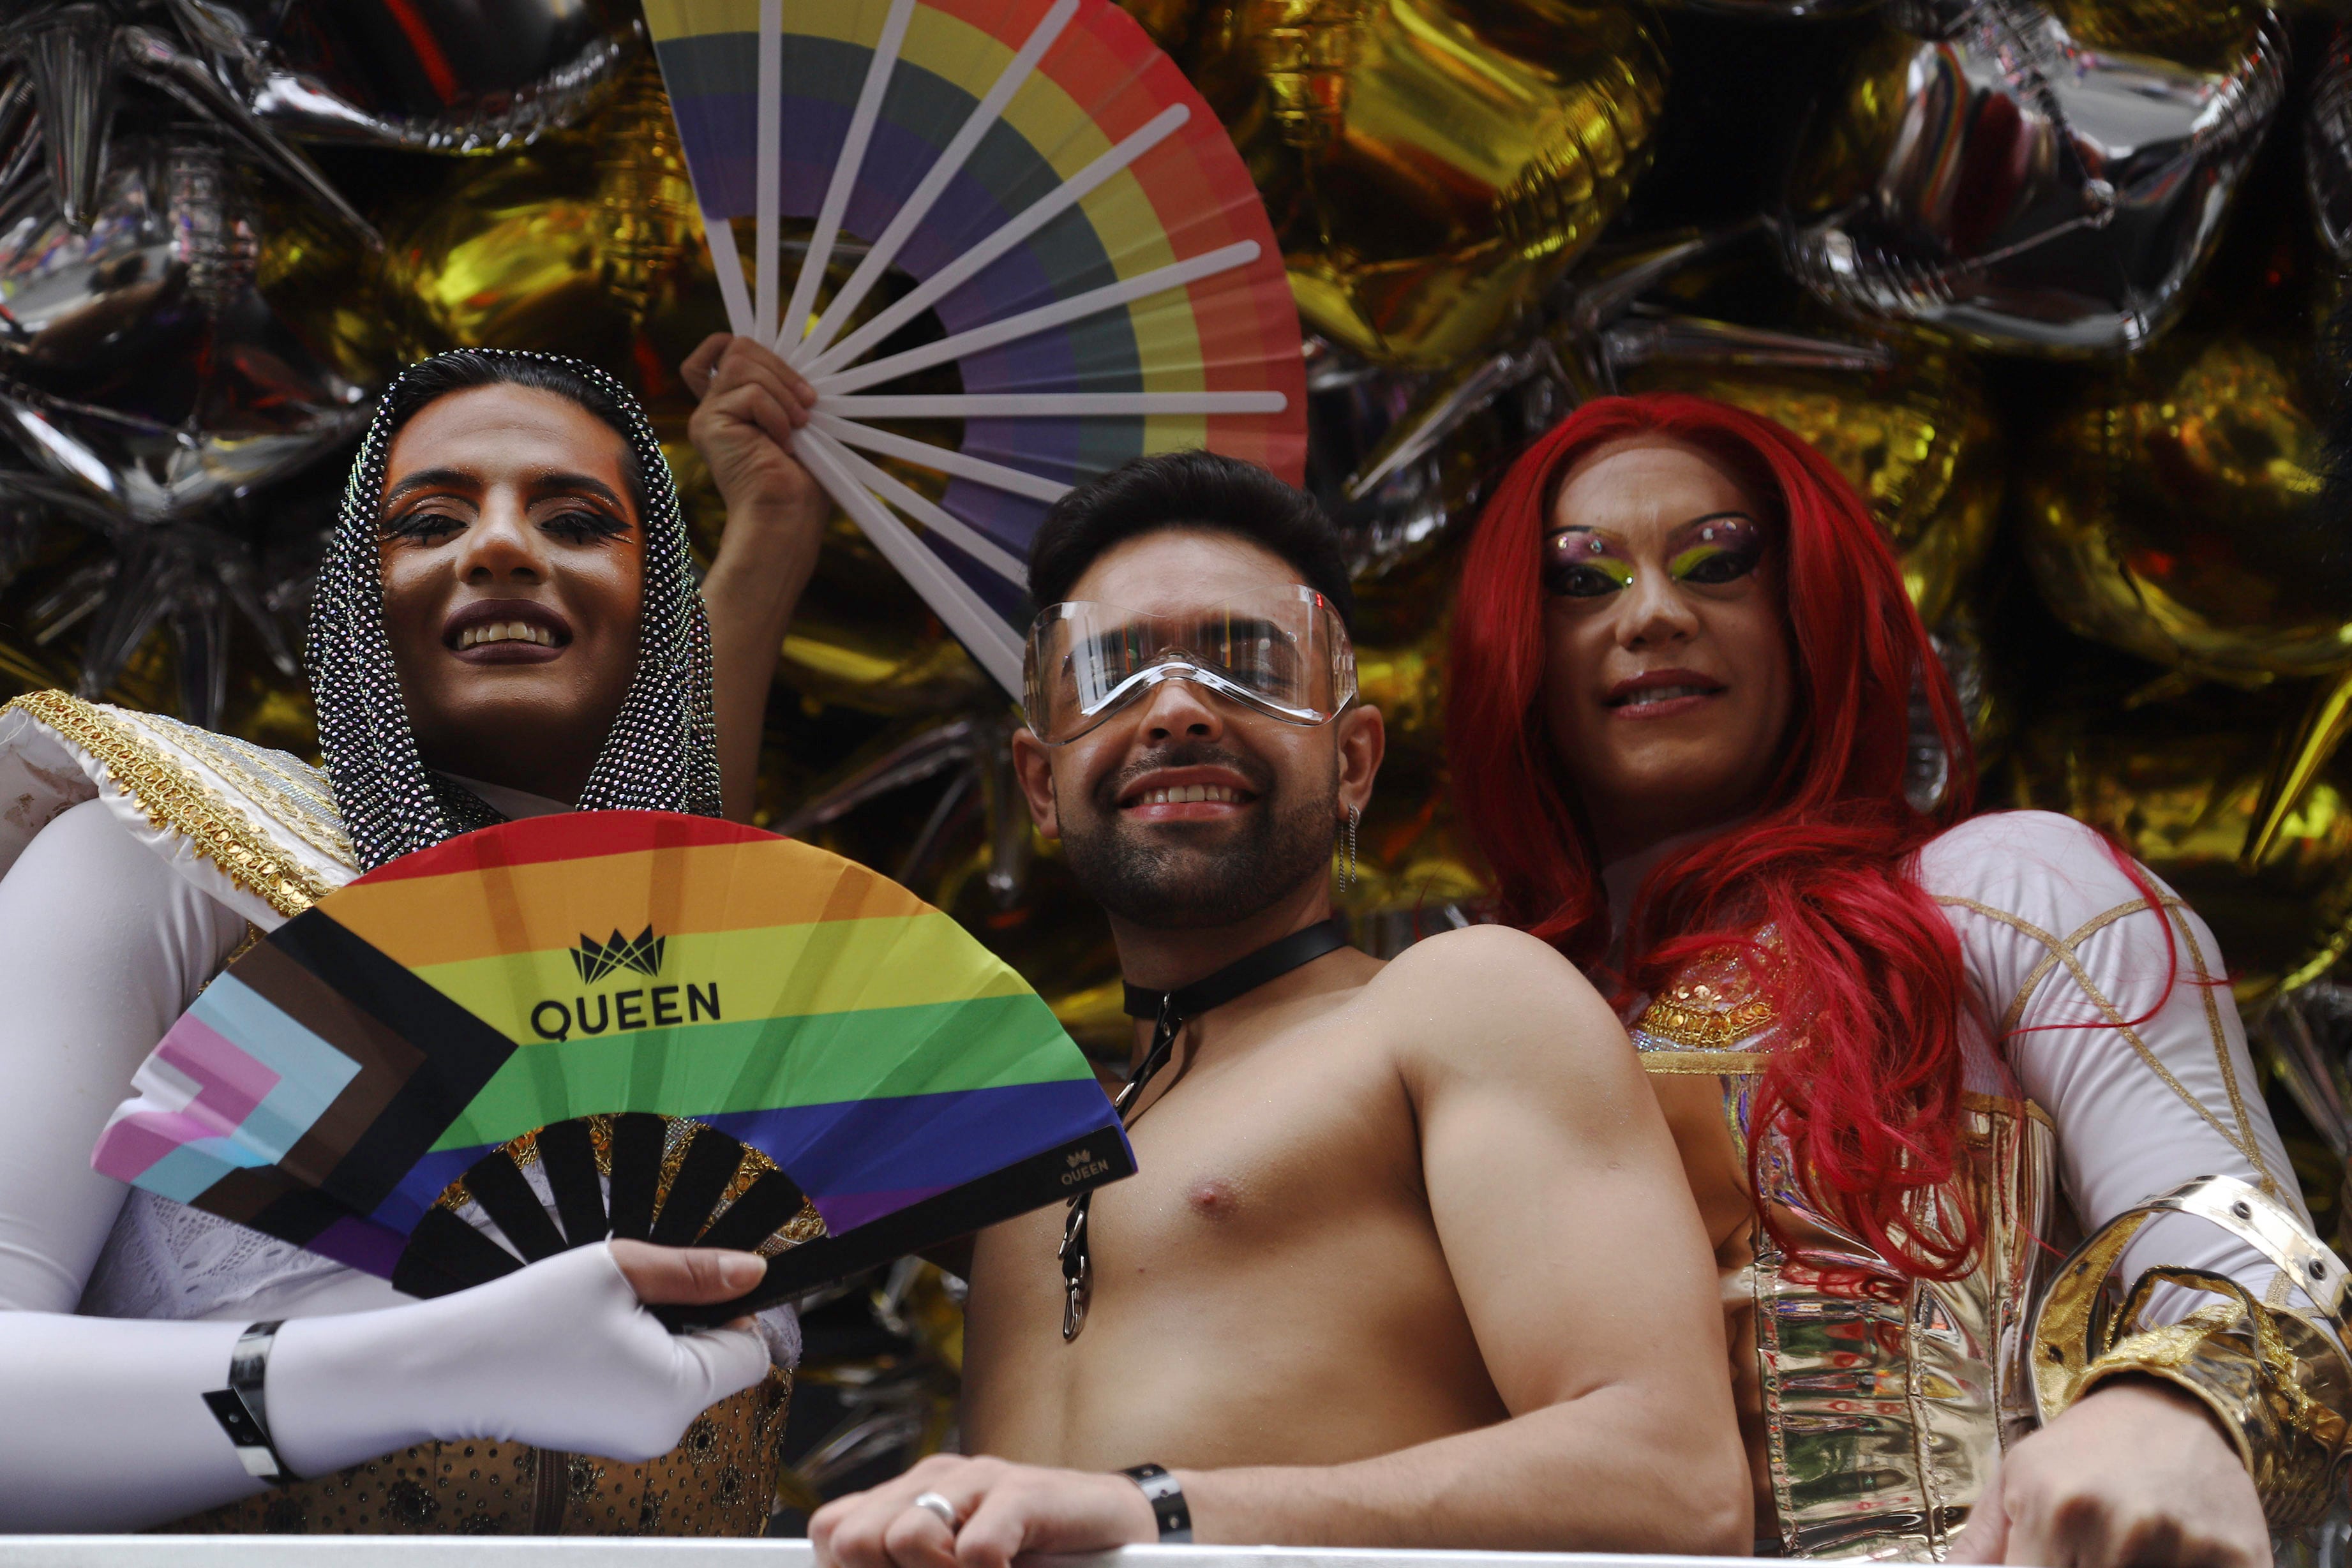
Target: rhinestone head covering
column 662, row 753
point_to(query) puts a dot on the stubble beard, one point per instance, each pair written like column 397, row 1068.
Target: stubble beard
column 1159, row 878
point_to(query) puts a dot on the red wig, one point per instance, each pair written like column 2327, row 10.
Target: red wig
column 1864, row 1081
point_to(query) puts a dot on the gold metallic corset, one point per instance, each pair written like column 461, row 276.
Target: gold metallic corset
column 1876, row 1417
column 719, row 1480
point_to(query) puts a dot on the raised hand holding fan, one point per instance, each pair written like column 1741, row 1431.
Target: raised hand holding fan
column 1067, row 208
column 436, row 1075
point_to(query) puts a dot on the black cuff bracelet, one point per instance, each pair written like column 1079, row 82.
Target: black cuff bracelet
column 241, row 1412
column 1166, row 1499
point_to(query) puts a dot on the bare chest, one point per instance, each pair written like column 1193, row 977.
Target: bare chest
column 1263, row 1177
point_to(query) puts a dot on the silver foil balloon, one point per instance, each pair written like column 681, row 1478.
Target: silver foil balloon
column 1991, row 175
column 151, row 389
column 67, row 55
column 1417, row 450
column 67, row 68
column 138, row 359
column 975, row 751
column 2327, row 148
column 2306, row 1035
column 437, row 76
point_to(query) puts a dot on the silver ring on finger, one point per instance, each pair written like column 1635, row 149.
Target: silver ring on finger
column 940, row 1509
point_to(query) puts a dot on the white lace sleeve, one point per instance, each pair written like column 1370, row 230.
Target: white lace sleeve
column 2147, row 1086
column 102, row 946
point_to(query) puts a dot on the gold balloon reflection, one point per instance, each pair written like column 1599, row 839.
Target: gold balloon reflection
column 2206, row 35
column 1431, row 168
column 1918, row 443
column 2168, row 512
column 2179, row 782
column 562, row 246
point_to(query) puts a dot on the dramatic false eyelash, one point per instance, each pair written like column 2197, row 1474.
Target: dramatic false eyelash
column 418, row 523
column 413, row 524
column 600, row 525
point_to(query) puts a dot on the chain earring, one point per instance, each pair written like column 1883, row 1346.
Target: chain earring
column 1348, row 877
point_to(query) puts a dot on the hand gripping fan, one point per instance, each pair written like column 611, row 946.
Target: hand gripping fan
column 443, row 1070
column 1066, row 206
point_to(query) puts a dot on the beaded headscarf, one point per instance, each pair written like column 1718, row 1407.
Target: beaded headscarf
column 662, row 752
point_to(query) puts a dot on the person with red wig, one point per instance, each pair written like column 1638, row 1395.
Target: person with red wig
column 1908, row 1053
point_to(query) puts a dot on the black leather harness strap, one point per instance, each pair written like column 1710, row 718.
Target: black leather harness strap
column 1170, row 1011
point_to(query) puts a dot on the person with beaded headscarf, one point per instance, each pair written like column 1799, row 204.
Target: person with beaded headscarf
column 507, row 624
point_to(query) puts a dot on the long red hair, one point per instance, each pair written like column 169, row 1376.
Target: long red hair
column 1864, row 1081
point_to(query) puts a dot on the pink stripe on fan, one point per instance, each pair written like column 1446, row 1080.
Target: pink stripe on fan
column 227, row 1083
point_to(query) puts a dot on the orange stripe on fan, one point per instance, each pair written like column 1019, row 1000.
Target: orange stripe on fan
column 720, row 887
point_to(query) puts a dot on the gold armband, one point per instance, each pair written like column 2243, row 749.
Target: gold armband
column 2274, row 1378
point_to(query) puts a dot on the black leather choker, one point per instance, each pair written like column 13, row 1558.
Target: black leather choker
column 1170, row 1011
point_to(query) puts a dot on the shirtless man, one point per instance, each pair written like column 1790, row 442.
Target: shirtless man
column 1409, row 1260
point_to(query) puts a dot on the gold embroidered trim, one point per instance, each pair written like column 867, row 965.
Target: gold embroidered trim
column 319, row 827
column 1731, row 1063
column 1715, row 1001
column 1701, row 1029
column 176, row 800
column 2064, row 951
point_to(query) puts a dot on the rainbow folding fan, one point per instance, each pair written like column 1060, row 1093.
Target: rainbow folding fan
column 1038, row 180
column 443, row 1070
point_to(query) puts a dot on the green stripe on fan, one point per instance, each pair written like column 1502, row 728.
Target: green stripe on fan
column 760, row 972
column 709, row 1069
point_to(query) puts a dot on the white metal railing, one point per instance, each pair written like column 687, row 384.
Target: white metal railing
column 590, row 1552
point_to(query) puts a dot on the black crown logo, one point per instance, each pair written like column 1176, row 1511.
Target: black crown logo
column 595, row 960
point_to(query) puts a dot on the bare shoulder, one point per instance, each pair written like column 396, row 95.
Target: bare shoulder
column 1490, row 999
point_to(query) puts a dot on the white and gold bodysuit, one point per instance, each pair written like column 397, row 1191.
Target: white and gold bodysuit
column 1872, row 1417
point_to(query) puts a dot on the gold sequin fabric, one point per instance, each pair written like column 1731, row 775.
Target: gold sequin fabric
column 719, row 1480
column 1715, row 1002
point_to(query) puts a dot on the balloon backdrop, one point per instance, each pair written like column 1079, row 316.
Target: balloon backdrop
column 2041, row 277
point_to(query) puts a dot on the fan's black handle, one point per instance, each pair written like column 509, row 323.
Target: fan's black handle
column 959, row 1211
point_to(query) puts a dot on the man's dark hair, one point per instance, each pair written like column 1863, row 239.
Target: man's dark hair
column 1189, row 490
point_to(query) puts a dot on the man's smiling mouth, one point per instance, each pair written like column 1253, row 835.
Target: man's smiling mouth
column 1184, row 794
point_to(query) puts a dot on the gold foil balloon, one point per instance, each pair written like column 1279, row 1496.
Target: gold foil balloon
column 2178, row 782
column 563, row 246
column 1916, row 439
column 1413, row 879
column 2168, row 512
column 1169, row 22
column 1431, row 167
column 1407, row 682
column 1994, row 176
column 2204, row 35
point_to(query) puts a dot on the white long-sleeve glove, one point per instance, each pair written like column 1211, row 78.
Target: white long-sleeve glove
column 107, row 1427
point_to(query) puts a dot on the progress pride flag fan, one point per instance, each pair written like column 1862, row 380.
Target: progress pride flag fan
column 616, row 1023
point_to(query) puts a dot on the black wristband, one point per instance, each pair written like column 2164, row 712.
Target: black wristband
column 1167, row 1498
column 241, row 1412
